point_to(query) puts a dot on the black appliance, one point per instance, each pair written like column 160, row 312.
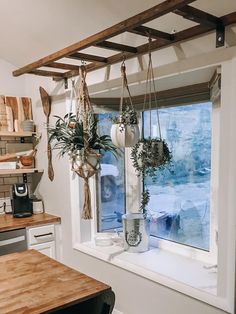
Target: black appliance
column 20, row 201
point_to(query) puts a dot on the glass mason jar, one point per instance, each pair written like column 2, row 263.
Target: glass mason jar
column 136, row 230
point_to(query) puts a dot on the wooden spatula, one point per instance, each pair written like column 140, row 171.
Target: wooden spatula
column 46, row 102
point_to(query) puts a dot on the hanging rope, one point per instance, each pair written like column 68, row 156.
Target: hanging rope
column 85, row 163
column 124, row 86
column 150, row 85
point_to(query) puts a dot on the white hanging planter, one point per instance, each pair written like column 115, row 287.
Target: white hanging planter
column 125, row 130
column 124, row 135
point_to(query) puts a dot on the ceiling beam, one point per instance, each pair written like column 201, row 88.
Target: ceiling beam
column 198, row 16
column 130, row 23
column 86, row 57
column 117, row 47
column 153, row 33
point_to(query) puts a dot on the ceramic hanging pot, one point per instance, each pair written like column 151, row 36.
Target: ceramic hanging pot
column 124, row 135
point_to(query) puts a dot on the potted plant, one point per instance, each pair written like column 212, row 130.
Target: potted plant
column 149, row 155
column 77, row 136
column 125, row 129
column 68, row 136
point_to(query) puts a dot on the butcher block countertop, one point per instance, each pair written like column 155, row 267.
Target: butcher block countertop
column 31, row 283
column 8, row 222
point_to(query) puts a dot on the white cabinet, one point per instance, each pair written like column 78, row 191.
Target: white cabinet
column 47, row 248
column 42, row 239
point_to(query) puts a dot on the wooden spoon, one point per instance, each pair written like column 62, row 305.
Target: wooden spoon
column 46, row 102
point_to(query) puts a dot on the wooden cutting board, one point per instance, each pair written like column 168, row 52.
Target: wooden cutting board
column 13, row 104
column 25, row 107
column 21, row 109
column 3, row 115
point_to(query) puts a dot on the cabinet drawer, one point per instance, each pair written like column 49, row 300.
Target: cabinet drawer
column 45, row 248
column 41, row 234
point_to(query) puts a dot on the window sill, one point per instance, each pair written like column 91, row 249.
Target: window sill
column 177, row 272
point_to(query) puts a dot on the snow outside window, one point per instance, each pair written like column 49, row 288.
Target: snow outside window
column 180, row 197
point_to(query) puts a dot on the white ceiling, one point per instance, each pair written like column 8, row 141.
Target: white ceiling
column 32, row 29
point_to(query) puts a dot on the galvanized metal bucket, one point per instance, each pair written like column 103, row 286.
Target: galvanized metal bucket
column 136, row 230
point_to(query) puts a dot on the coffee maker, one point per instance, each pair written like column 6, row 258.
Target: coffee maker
column 20, row 201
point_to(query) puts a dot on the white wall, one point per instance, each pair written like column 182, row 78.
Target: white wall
column 8, row 84
column 134, row 294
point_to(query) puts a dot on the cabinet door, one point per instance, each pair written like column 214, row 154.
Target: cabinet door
column 47, row 248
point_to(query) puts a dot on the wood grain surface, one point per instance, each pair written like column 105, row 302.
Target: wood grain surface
column 32, row 283
column 46, row 102
column 8, row 222
column 27, row 107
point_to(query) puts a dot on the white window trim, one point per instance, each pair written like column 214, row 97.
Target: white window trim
column 84, row 231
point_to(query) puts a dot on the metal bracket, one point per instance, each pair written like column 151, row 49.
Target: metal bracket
column 22, row 139
column 220, row 35
column 24, row 177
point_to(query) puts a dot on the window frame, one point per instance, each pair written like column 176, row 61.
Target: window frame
column 133, row 188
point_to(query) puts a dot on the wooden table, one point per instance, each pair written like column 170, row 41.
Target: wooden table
column 31, row 283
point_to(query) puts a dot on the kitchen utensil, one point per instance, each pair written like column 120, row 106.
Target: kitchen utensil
column 27, row 161
column 46, row 102
column 15, row 155
column 10, row 125
column 3, row 115
column 13, row 104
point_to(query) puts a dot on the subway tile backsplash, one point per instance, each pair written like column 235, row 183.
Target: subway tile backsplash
column 7, row 181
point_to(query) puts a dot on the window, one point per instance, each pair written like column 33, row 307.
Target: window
column 180, row 198
column 185, row 274
column 111, row 179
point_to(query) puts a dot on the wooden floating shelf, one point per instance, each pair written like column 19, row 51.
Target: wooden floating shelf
column 17, row 134
column 20, row 171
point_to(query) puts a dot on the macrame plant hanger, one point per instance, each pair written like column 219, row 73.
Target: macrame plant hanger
column 124, row 105
column 86, row 162
column 150, row 87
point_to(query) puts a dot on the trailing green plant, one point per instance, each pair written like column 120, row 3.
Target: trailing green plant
column 149, row 155
column 68, row 136
column 145, row 198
